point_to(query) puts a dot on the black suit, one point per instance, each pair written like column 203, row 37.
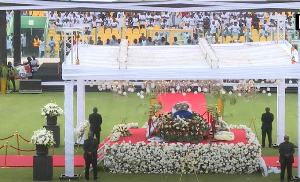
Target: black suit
column 95, row 122
column 90, row 145
column 267, row 119
column 286, row 162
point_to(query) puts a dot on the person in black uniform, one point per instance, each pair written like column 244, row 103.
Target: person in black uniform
column 90, row 147
column 267, row 119
column 286, row 159
column 95, row 123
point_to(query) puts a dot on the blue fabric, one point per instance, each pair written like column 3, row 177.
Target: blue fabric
column 183, row 114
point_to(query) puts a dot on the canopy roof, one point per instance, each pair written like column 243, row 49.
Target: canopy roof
column 223, row 61
column 146, row 5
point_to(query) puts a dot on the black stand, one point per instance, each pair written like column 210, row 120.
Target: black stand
column 296, row 178
column 56, row 133
column 76, row 177
column 42, row 167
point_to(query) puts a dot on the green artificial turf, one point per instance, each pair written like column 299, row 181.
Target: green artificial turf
column 25, row 175
column 21, row 112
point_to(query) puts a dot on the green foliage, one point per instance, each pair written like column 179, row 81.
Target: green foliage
column 213, row 111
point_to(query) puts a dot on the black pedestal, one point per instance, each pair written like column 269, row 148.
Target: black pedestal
column 56, row 133
column 42, row 167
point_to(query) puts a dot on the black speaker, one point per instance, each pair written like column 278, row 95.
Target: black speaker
column 30, row 86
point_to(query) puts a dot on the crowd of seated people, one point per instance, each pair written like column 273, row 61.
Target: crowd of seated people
column 211, row 25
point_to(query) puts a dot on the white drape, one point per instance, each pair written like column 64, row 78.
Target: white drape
column 69, row 129
column 280, row 111
column 80, row 106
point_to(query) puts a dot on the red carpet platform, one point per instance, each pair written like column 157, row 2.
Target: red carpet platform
column 139, row 135
column 27, row 161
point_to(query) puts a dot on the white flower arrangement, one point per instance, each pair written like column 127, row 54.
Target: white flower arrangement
column 189, row 158
column 79, row 130
column 51, row 109
column 181, row 129
column 43, row 137
column 122, row 128
column 115, row 136
column 132, row 125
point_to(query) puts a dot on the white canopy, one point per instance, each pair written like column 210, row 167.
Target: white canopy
column 232, row 61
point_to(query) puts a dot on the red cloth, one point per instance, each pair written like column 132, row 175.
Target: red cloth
column 197, row 102
column 139, row 135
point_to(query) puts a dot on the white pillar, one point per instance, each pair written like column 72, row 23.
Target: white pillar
column 69, row 129
column 298, row 128
column 280, row 111
column 80, row 106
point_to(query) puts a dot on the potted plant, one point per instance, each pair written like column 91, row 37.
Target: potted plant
column 51, row 111
column 43, row 139
column 3, row 74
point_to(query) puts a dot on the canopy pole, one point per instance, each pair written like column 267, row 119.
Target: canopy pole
column 69, row 129
column 280, row 111
column 80, row 107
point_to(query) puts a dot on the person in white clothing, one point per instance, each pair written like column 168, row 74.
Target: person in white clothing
column 142, row 20
column 58, row 26
column 135, row 21
column 42, row 47
column 34, row 63
column 157, row 19
column 290, row 30
column 52, row 20
column 248, row 21
column 23, row 44
column 264, row 29
column 261, row 16
column 80, row 19
column 235, row 30
column 225, row 17
column 67, row 23
column 8, row 45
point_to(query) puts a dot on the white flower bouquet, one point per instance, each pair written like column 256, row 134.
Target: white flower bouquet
column 115, row 136
column 43, row 137
column 79, row 130
column 51, row 109
column 132, row 125
column 122, row 128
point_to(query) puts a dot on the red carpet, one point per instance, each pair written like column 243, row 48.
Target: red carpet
column 27, row 161
column 197, row 101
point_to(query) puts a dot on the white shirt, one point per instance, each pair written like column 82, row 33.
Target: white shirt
column 225, row 18
column 23, row 41
column 135, row 21
column 248, row 22
column 157, row 19
column 142, row 19
column 42, row 45
column 34, row 62
column 99, row 22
